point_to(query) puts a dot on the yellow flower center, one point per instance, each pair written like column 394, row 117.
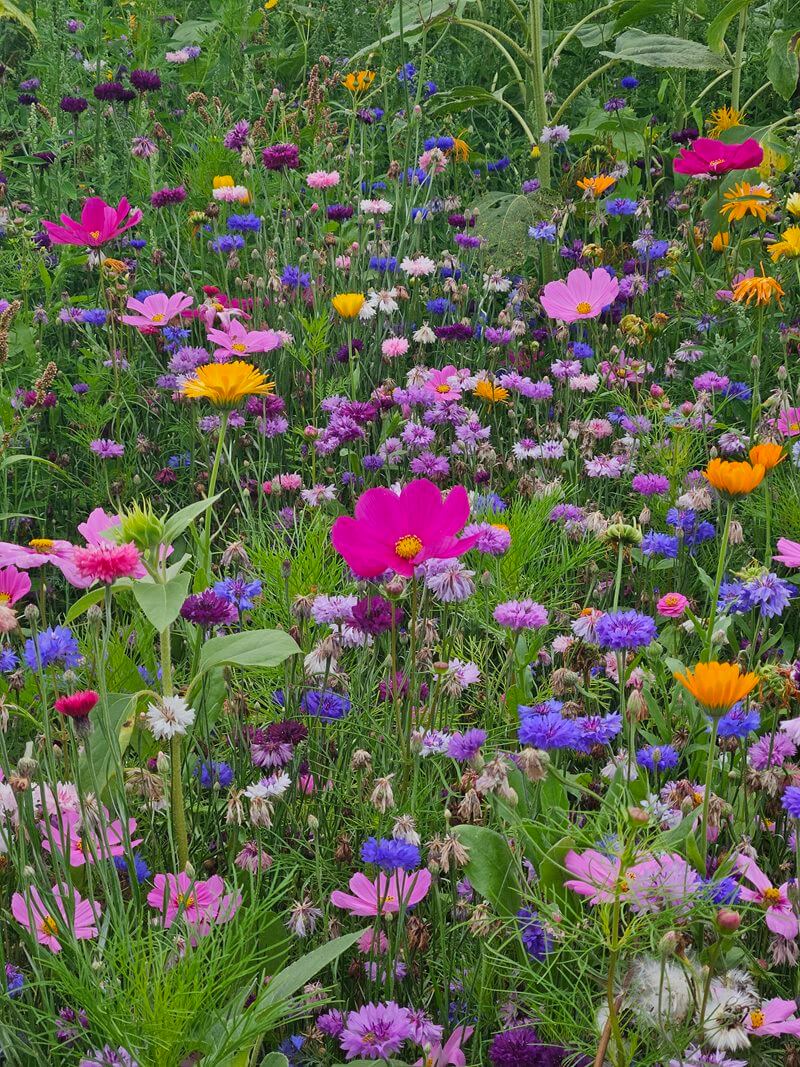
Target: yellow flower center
column 239, row 347
column 624, row 886
column 716, row 163
column 443, row 388
column 4, row 598
column 757, row 1018
column 48, row 926
column 584, row 307
column 158, row 318
column 186, row 900
column 500, row 526
column 408, row 547
column 41, row 544
column 94, row 234
column 771, row 896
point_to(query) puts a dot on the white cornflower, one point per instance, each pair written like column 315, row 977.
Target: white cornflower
column 169, row 718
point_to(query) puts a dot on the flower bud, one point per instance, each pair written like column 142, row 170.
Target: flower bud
column 728, row 920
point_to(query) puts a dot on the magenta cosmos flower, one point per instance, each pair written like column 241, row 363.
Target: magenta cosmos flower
column 581, row 296
column 391, row 532
column 156, row 310
column 75, row 917
column 43, row 550
column 200, row 904
column 14, row 585
column 708, row 156
column 780, row 917
column 385, row 895
column 100, row 223
column 596, row 876
column 236, row 341
column 440, row 384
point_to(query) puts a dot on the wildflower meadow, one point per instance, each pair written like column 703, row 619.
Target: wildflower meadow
column 400, row 533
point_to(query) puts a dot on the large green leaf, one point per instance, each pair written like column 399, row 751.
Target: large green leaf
column 161, row 602
column 292, row 978
column 253, row 648
column 177, row 523
column 639, row 11
column 99, row 763
column 720, row 23
column 94, row 596
column 660, row 50
column 410, row 17
column 192, row 31
column 782, row 64
column 491, row 868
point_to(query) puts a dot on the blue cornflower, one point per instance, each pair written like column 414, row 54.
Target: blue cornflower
column 621, row 205
column 407, row 73
column 140, row 868
column 9, row 661
column 549, row 731
column 580, row 350
column 657, row 757
column 227, row 243
column 656, row 250
column 721, row 890
column 488, row 502
column 239, row 591
column 390, row 854
column 94, row 317
column 597, row 729
column 660, row 544
column 137, row 243
column 791, row 801
column 618, row 630
column 739, row 721
column 768, row 593
column 533, row 934
column 738, row 391
column 440, row 305
column 383, row 264
column 499, row 165
column 325, row 705
column 629, row 82
column 213, row 772
column 295, row 278
column 56, row 645
column 543, row 231
column 15, row 980
column 244, row 223
column 183, row 460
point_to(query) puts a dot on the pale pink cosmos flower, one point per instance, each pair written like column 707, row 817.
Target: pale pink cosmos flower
column 582, row 296
column 780, row 917
column 156, row 310
column 43, row 550
column 385, row 895
column 79, row 847
column 788, row 552
column 77, row 919
column 773, row 1019
column 14, row 585
column 236, row 341
column 597, row 876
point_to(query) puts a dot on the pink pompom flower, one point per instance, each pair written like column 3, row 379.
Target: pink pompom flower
column 107, row 562
column 672, row 605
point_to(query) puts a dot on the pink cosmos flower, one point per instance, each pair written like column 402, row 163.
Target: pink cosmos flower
column 780, row 917
column 156, row 310
column 789, row 422
column 598, row 876
column 672, row 605
column 449, row 1054
column 788, row 552
column 774, row 1018
column 385, row 895
column 581, row 296
column 100, row 223
column 709, row 156
column 201, row 905
column 43, row 550
column 400, row 532
column 235, row 341
column 659, row 882
column 14, row 585
column 440, row 387
column 79, row 847
column 78, row 918
column 107, row 562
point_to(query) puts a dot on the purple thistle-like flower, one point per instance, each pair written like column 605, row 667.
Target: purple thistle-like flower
column 209, row 609
column 281, row 157
column 373, row 615
column 520, row 615
column 521, row 1047
column 463, row 747
column 619, row 630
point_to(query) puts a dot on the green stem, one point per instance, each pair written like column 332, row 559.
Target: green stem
column 205, row 559
column 723, row 551
column 736, row 80
column 177, row 808
column 712, row 748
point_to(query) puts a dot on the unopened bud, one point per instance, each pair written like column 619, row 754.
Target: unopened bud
column 728, row 920
column 638, row 816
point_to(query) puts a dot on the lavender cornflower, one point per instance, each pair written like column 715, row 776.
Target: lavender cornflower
column 106, row 448
column 619, row 630
column 375, row 1031
column 448, row 580
column 520, row 615
column 465, row 747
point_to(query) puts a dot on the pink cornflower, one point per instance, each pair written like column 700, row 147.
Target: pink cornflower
column 100, row 223
column 597, row 876
column 200, row 904
column 520, row 615
column 156, row 311
column 788, row 552
column 106, row 563
column 780, row 917
column 385, row 895
column 672, row 605
column 773, row 1019
column 14, row 585
column 43, row 550
column 79, row 847
column 393, row 347
column 400, row 532
column 77, row 918
column 235, row 341
column 322, row 179
column 582, row 296
column 77, row 705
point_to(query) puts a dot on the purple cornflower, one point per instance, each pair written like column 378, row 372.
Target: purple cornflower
column 464, row 747
column 521, row 1047
column 619, row 630
column 145, row 81
column 375, row 1031
column 281, row 157
column 771, row 752
column 109, row 1057
column 105, row 448
column 73, row 105
column 209, row 609
column 650, row 484
column 236, row 137
column 657, row 757
column 791, row 801
column 548, row 731
column 167, row 197
column 534, row 936
column 373, row 615
column 520, row 615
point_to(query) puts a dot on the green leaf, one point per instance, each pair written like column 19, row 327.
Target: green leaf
column 116, row 718
column 177, row 523
column 719, row 25
column 638, row 12
column 161, row 603
column 8, row 10
column 660, row 50
column 410, row 17
column 276, row 1059
column 254, row 648
column 94, row 596
column 782, row 64
column 491, row 868
column 292, row 978
column 192, row 31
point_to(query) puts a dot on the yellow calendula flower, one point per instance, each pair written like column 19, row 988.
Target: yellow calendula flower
column 223, row 181
column 348, row 305
column 270, row 4
column 535, row 152
column 359, row 80
column 491, row 393
column 226, row 384
column 746, row 199
column 793, row 204
column 722, row 119
column 596, row 185
column 460, row 150
column 787, row 246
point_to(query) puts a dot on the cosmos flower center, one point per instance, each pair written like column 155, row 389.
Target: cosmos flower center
column 4, row 598
column 407, row 547
column 583, row 308
column 158, row 317
column 41, row 544
column 716, row 163
column 757, row 1019
column 239, row 347
column 49, row 926
column 94, row 234
column 185, row 900
column 443, row 388
column 772, row 896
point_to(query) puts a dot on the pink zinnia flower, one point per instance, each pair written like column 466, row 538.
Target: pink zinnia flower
column 598, row 876
column 439, row 385
column 14, row 585
column 581, row 296
column 788, row 552
column 79, row 847
column 385, row 895
column 400, row 532
column 156, row 310
column 780, row 917
column 708, row 156
column 672, row 605
column 235, row 341
column 100, row 223
column 106, row 563
column 774, row 1018
column 51, row 925
column 43, row 550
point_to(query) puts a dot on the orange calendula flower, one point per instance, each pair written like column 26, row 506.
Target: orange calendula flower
column 734, row 478
column 717, row 686
column 223, row 181
column 720, row 241
column 225, row 384
column 746, row 199
column 768, row 454
column 358, row 81
column 596, row 185
column 788, row 245
column 760, row 288
column 460, row 150
column 722, row 119
column 348, row 305
column 491, row 393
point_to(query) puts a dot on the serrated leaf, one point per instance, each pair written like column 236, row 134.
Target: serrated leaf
column 662, row 51
column 161, row 602
column 253, row 648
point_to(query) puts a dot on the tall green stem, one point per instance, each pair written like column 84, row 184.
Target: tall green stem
column 738, row 57
column 723, row 551
column 177, row 808
column 712, row 749
column 205, row 561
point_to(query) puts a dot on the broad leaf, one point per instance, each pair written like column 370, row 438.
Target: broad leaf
column 99, row 763
column 253, row 648
column 177, row 523
column 410, row 18
column 782, row 64
column 94, row 596
column 719, row 25
column 192, row 31
column 292, row 978
column 491, row 868
column 660, row 50
column 161, row 603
